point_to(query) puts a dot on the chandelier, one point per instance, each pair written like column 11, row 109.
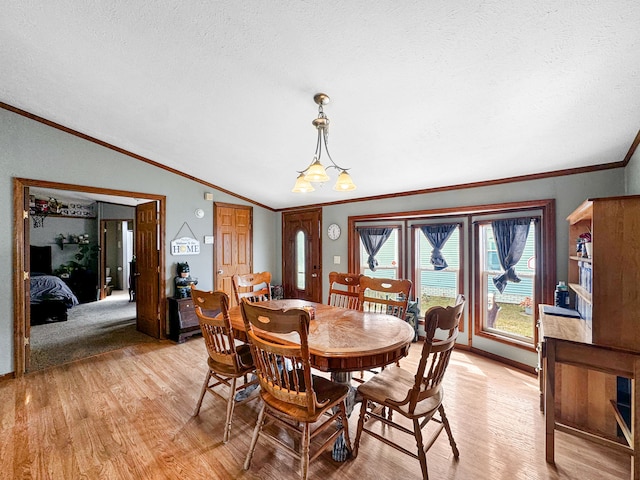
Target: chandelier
column 316, row 172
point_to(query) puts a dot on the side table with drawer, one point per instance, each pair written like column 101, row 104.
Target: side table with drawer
column 183, row 321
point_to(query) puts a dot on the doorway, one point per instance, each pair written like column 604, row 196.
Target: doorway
column 22, row 306
column 116, row 255
column 302, row 254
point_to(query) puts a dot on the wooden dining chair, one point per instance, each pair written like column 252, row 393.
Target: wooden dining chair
column 344, row 290
column 292, row 397
column 416, row 395
column 227, row 361
column 255, row 287
column 385, row 295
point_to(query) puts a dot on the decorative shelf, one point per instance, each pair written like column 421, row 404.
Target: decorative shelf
column 586, row 296
column 62, row 244
column 581, row 259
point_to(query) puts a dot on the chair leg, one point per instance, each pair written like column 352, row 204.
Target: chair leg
column 363, row 414
column 447, row 427
column 203, row 391
column 254, row 438
column 304, row 454
column 230, row 404
column 422, row 456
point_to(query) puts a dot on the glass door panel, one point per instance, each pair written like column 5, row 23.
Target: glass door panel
column 437, row 287
column 509, row 313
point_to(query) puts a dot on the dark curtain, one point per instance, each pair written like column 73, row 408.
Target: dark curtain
column 437, row 235
column 511, row 237
column 373, row 239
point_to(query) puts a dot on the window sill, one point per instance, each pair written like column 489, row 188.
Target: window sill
column 528, row 345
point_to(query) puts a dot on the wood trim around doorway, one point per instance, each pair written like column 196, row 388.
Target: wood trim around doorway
column 19, row 262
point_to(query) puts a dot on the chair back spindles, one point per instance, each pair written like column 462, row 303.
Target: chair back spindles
column 212, row 310
column 255, row 287
column 384, row 295
column 344, row 290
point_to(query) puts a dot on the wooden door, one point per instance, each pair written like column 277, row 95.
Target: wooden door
column 147, row 270
column 233, row 244
column 302, row 254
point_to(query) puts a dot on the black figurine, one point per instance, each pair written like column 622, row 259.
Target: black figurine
column 183, row 281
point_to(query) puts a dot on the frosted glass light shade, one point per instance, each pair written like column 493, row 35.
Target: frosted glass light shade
column 302, row 185
column 316, row 173
column 344, row 183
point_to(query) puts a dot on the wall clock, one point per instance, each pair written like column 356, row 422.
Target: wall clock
column 333, row 231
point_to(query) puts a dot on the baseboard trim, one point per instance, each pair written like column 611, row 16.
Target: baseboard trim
column 7, row 376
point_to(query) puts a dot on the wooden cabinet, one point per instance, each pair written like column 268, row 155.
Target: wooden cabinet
column 579, row 377
column 183, row 321
column 612, row 304
column 606, row 292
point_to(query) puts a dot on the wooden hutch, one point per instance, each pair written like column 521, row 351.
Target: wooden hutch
column 588, row 361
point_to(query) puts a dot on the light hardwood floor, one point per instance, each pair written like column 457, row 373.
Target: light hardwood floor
column 127, row 415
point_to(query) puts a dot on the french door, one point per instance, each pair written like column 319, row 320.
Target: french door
column 509, row 312
column 147, row 271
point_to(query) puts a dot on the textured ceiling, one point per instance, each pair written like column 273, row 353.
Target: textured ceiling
column 423, row 93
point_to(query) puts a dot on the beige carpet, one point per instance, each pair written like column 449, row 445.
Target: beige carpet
column 91, row 328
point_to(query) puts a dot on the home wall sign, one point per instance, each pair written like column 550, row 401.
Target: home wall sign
column 185, row 245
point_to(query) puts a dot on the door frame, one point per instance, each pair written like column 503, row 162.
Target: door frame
column 21, row 235
column 315, row 242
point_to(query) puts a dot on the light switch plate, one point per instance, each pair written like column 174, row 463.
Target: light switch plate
column 208, row 239
column 336, row 259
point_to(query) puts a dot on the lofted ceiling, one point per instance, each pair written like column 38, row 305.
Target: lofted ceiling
column 424, row 94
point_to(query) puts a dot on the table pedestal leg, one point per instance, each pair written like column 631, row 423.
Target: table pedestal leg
column 340, row 452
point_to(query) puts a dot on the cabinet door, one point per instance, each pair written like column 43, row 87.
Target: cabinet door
column 615, row 271
column 188, row 317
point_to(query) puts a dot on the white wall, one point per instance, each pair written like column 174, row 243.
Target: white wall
column 29, row 149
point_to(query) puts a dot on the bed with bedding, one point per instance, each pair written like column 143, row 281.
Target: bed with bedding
column 50, row 296
column 50, row 299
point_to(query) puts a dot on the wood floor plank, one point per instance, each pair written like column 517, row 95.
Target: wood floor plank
column 128, row 415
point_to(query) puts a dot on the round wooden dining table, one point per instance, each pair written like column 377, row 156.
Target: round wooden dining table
column 343, row 340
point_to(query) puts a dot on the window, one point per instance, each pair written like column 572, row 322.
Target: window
column 436, row 287
column 388, row 258
column 472, row 261
column 300, row 261
column 510, row 312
